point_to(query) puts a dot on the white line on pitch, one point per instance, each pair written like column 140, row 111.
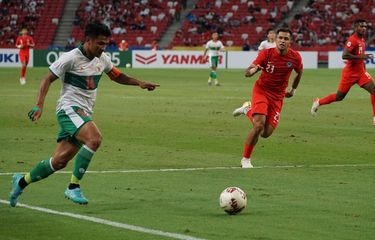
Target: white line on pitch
column 107, row 222
column 211, row 168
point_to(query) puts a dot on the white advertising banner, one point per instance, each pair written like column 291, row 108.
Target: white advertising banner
column 244, row 59
column 172, row 59
column 9, row 57
column 335, row 60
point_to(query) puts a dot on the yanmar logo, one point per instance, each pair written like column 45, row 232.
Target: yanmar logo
column 145, row 60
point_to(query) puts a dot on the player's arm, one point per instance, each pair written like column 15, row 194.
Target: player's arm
column 290, row 92
column 347, row 55
column 119, row 77
column 36, row 112
column 31, row 43
column 18, row 43
column 252, row 69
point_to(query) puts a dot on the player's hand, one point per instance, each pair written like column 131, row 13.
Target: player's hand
column 203, row 59
column 148, row 86
column 35, row 113
column 20, row 46
column 290, row 93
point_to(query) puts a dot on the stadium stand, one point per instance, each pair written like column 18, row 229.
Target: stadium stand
column 238, row 22
column 329, row 23
column 41, row 17
column 138, row 22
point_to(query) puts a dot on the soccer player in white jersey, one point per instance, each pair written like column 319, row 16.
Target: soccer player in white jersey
column 213, row 47
column 80, row 71
column 269, row 42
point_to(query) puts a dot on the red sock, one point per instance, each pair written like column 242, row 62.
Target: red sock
column 23, row 72
column 248, row 150
column 328, row 99
column 373, row 104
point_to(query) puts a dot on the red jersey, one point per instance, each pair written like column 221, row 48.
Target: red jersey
column 276, row 70
column 25, row 41
column 356, row 46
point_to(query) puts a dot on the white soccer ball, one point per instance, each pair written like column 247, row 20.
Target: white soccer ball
column 128, row 65
column 233, row 200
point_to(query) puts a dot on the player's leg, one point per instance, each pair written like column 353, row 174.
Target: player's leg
column 344, row 86
column 91, row 137
column 23, row 68
column 259, row 121
column 370, row 87
column 215, row 62
column 64, row 152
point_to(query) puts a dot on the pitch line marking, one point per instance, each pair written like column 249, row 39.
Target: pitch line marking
column 107, row 222
column 208, row 168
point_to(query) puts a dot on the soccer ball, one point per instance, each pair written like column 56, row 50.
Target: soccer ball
column 233, row 200
column 128, row 65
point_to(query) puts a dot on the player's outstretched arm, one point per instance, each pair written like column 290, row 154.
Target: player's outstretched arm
column 36, row 112
column 347, row 55
column 252, row 69
column 126, row 80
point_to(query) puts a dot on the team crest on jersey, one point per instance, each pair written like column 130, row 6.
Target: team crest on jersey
column 289, row 64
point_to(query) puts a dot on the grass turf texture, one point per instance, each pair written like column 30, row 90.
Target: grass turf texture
column 184, row 124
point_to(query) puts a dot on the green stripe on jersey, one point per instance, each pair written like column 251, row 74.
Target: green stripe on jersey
column 214, row 48
column 84, row 82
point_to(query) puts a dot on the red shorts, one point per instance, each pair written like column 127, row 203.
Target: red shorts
column 348, row 80
column 262, row 103
column 24, row 58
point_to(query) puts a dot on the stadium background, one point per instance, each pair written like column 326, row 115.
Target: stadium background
column 318, row 26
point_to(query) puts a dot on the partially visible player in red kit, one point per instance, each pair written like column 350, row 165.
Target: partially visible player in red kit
column 354, row 71
column 24, row 43
column 269, row 90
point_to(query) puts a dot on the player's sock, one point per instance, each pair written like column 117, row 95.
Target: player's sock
column 22, row 183
column 81, row 163
column 248, row 150
column 213, row 75
column 40, row 171
column 23, row 72
column 328, row 99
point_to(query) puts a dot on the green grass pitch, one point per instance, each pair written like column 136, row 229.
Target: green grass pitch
column 186, row 124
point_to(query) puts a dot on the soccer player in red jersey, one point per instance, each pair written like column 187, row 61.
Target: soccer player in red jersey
column 354, row 71
column 269, row 90
column 24, row 43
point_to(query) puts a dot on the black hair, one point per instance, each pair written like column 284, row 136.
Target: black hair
column 270, row 30
column 95, row 29
column 285, row 30
column 358, row 21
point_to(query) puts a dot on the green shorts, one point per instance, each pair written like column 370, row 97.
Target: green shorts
column 71, row 119
column 214, row 61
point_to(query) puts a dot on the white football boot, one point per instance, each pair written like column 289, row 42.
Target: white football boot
column 246, row 106
column 314, row 107
column 22, row 81
column 246, row 163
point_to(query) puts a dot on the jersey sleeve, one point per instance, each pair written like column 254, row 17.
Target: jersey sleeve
column 350, row 44
column 108, row 65
column 18, row 40
column 261, row 46
column 207, row 46
column 299, row 66
column 62, row 65
column 221, row 46
column 261, row 57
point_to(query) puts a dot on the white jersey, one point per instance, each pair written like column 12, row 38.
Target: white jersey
column 80, row 77
column 266, row 44
column 214, row 48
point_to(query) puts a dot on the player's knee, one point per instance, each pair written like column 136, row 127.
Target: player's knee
column 340, row 97
column 259, row 127
column 265, row 134
column 94, row 142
